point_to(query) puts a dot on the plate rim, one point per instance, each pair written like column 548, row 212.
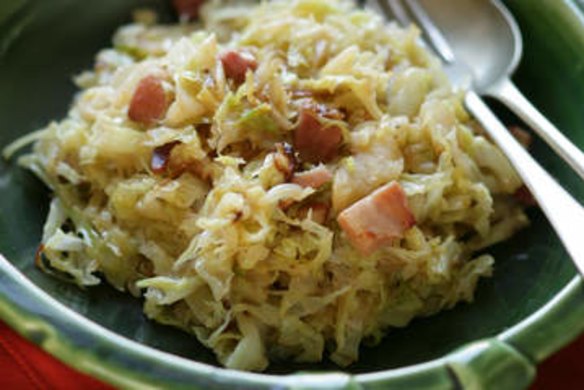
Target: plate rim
column 42, row 319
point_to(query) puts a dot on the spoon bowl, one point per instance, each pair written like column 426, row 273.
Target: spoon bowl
column 484, row 36
column 557, row 204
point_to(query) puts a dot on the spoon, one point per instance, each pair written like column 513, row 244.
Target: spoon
column 563, row 212
column 484, row 35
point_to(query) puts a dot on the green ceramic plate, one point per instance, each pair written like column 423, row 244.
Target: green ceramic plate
column 531, row 307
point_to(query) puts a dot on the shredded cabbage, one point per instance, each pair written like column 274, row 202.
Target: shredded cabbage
column 216, row 237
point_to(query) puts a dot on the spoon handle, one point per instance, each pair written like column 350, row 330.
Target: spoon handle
column 511, row 96
column 565, row 214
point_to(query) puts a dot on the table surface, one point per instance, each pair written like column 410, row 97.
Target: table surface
column 25, row 366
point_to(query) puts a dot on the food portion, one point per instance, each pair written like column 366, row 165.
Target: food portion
column 287, row 180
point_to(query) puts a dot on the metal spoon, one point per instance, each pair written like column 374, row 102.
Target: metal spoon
column 564, row 213
column 484, row 35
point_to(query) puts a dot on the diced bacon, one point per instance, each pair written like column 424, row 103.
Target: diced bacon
column 150, row 102
column 236, row 64
column 521, row 135
column 315, row 178
column 315, row 141
column 377, row 219
column 524, row 196
column 187, row 9
column 285, row 204
column 320, row 212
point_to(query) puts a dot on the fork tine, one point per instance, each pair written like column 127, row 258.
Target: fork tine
column 433, row 33
column 396, row 8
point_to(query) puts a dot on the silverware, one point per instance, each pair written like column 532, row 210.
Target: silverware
column 484, row 35
column 565, row 214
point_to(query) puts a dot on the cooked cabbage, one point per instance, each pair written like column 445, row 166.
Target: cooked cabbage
column 196, row 210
